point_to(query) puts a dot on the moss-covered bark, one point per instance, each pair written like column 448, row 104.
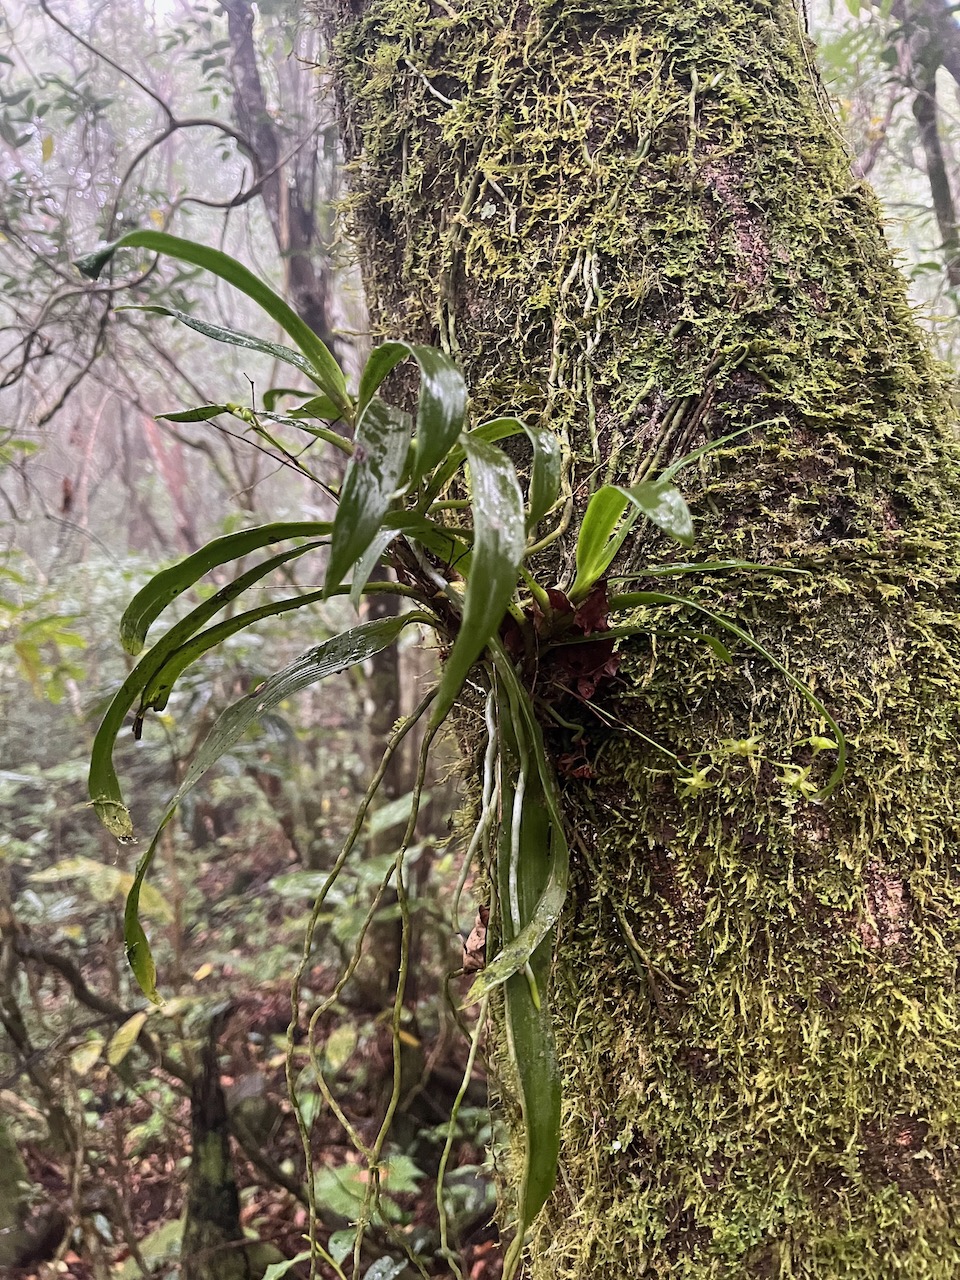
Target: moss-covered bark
column 635, row 220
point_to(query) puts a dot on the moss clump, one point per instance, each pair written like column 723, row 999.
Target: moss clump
column 635, row 221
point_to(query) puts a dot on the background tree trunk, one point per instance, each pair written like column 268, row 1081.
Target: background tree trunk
column 636, row 221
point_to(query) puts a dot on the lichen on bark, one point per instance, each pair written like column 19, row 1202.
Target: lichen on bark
column 635, row 222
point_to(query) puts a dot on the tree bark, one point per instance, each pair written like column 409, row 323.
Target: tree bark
column 635, row 221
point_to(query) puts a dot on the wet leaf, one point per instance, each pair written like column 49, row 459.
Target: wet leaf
column 499, row 543
column 372, row 479
column 324, row 370
column 334, row 655
column 441, row 404
column 663, row 505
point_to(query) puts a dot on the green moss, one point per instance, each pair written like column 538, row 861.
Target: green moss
column 635, row 220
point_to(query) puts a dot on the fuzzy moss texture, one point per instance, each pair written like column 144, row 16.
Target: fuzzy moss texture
column 635, row 220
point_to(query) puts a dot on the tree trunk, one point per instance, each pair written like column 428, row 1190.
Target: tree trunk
column 291, row 204
column 636, row 222
column 213, row 1246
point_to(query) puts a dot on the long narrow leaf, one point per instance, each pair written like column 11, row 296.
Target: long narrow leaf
column 710, row 447
column 157, row 693
column 325, row 371
column 498, row 547
column 164, row 587
column 233, row 337
column 372, row 478
column 334, row 655
column 704, row 566
column 545, row 472
column 542, row 916
column 104, row 786
column 531, row 869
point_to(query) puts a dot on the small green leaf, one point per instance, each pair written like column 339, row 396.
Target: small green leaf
column 125, row 1037
column 203, row 413
column 372, row 479
column 86, row 1055
column 321, row 407
column 385, row 1269
column 340, row 1045
column 340, row 1244
column 273, row 395
column 544, row 474
column 663, row 505
column 498, row 547
column 596, row 545
column 276, row 1270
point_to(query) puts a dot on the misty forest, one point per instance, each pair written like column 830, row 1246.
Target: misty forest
column 479, row 645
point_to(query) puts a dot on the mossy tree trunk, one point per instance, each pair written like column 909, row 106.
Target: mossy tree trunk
column 635, row 221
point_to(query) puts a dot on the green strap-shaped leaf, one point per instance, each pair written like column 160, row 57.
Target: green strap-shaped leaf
column 321, row 407
column 604, row 528
column 202, row 413
column 157, row 693
column 164, row 587
column 441, row 404
column 273, row 395
column 371, row 481
column 680, row 569
column 596, row 545
column 325, row 371
column 545, row 472
column 368, row 562
column 711, row 446
column 498, row 546
column 663, row 505
column 253, row 418
column 635, row 599
column 540, row 917
column 527, row 861
column 233, row 338
column 104, row 786
column 334, row 655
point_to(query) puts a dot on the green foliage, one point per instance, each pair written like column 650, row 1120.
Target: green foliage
column 470, row 568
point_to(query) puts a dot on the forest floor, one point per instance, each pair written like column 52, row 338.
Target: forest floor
column 113, row 1206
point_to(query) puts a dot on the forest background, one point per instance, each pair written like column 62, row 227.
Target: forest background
column 216, row 121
